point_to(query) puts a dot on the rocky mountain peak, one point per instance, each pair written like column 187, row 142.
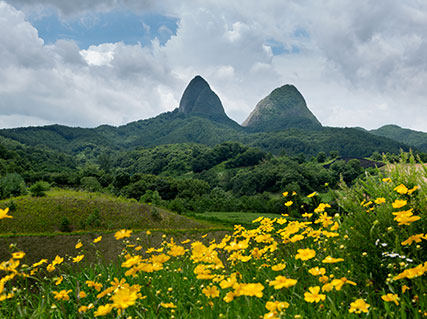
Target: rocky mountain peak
column 199, row 98
column 283, row 108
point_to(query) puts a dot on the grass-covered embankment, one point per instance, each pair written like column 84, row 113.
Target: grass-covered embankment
column 67, row 210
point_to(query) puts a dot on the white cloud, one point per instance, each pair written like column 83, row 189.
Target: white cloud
column 357, row 63
column 58, row 83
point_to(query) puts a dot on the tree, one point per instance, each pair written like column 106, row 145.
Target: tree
column 90, row 184
column 12, row 185
column 321, row 157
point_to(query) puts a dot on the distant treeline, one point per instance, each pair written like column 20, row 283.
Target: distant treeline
column 184, row 177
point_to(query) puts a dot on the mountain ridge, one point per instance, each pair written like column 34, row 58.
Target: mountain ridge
column 411, row 137
column 195, row 121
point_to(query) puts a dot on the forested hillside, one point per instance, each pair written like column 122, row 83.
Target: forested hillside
column 410, row 137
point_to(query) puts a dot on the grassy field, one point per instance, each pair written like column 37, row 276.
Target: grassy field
column 84, row 211
column 37, row 224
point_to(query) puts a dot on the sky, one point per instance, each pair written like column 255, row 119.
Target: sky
column 87, row 63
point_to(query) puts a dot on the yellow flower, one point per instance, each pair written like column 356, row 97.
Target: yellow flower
column 229, row 297
column 82, row 294
column 359, row 306
column 405, row 217
column 276, row 305
column 228, row 283
column 412, row 272
column 79, row 245
column 94, row 284
column 323, row 279
column 312, row 195
column 379, row 200
column 324, row 219
column 18, row 255
column 123, row 233
column 405, row 288
column 3, row 213
column 338, row 283
column 399, row 203
column 335, row 226
column 401, row 189
column 58, row 260
column 316, row 271
column 62, row 295
column 104, row 310
column 282, row 282
column 42, row 261
column 252, row 289
column 391, row 298
column 331, row 260
column 278, row 267
column 413, row 189
column 327, row 287
column 82, row 309
column 270, row 315
column 78, row 258
column 148, row 233
column 321, row 208
column 176, row 251
column 305, row 254
column 59, row 280
column 285, row 194
column 313, row 295
column 211, row 291
column 131, row 261
column 289, row 203
column 387, row 180
column 125, row 297
column 167, row 305
column 415, row 238
column 97, row 239
column 50, row 268
column 307, row 215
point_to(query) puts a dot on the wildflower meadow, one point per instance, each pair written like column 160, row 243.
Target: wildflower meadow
column 362, row 255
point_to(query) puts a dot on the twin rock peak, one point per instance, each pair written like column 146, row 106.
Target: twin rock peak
column 283, row 108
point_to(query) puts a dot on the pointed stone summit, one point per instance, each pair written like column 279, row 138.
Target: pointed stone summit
column 198, row 98
column 284, row 108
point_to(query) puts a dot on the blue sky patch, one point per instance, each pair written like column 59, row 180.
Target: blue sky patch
column 277, row 48
column 114, row 26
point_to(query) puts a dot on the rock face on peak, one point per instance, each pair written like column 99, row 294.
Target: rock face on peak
column 198, row 98
column 283, row 108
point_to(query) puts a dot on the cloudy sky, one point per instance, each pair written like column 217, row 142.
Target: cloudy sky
column 86, row 63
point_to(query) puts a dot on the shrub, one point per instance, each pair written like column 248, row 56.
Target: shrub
column 152, row 197
column 155, row 213
column 39, row 188
column 65, row 226
column 94, row 219
column 373, row 229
